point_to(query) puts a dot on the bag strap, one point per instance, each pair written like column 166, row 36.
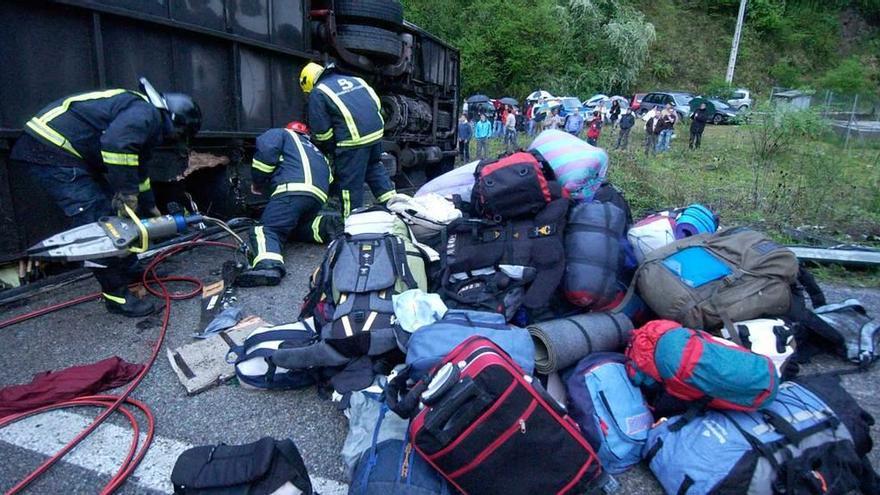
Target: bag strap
column 301, row 479
column 404, row 402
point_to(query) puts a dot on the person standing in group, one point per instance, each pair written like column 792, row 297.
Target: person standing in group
column 346, row 120
column 652, row 130
column 698, row 124
column 510, row 135
column 482, row 133
column 614, row 115
column 530, row 118
column 668, row 119
column 89, row 152
column 627, row 121
column 498, row 125
column 594, row 129
column 574, row 123
column 465, row 132
column 553, row 121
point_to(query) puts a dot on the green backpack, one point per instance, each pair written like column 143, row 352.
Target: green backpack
column 711, row 280
column 351, row 293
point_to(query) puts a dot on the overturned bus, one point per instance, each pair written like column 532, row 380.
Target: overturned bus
column 240, row 59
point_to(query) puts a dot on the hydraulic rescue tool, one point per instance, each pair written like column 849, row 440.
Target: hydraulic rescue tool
column 111, row 236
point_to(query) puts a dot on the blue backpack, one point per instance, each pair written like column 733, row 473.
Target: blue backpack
column 431, row 343
column 393, row 467
column 610, row 410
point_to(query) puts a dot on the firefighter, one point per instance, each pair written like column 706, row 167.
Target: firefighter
column 346, row 120
column 88, row 152
column 297, row 177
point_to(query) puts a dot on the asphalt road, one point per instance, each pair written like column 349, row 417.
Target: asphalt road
column 227, row 413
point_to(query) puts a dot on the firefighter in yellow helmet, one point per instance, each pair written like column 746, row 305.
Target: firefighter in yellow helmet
column 346, row 121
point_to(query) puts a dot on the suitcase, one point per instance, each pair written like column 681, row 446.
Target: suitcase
column 490, row 429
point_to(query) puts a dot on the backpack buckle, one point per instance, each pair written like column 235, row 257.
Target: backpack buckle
column 359, row 316
column 543, row 231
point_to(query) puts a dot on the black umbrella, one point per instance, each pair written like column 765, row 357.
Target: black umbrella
column 509, row 101
column 478, row 99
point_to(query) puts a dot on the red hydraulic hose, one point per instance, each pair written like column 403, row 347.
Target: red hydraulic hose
column 157, row 287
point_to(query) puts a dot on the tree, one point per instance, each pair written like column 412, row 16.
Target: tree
column 849, row 77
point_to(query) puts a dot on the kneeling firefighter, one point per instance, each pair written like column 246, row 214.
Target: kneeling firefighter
column 346, row 119
column 88, row 151
column 297, row 176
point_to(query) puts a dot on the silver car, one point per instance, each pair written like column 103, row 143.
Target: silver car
column 741, row 100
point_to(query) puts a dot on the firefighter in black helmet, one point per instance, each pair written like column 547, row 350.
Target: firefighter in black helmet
column 346, row 120
column 88, row 152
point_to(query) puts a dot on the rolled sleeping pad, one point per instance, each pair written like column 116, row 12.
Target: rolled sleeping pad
column 695, row 219
column 457, row 181
column 563, row 342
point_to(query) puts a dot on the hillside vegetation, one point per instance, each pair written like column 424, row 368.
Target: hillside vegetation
column 581, row 47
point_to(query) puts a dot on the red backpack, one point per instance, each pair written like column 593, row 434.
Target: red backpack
column 513, row 186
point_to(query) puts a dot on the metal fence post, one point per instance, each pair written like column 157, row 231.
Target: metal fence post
column 852, row 116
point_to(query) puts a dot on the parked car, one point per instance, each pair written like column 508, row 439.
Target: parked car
column 569, row 103
column 636, row 102
column 741, row 99
column 724, row 113
column 659, row 99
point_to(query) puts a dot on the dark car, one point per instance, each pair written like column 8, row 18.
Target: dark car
column 724, row 113
column 659, row 99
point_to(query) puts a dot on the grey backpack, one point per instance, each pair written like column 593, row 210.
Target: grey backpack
column 711, row 280
column 854, row 334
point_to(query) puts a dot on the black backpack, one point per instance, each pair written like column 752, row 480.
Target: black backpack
column 255, row 468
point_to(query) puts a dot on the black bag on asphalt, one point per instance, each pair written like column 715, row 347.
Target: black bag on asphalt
column 256, row 468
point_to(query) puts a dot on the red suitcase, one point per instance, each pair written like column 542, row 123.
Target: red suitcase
column 490, row 429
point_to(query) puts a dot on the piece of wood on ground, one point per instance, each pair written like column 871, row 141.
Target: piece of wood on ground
column 202, row 364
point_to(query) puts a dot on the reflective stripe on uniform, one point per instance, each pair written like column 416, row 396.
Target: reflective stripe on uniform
column 369, row 138
column 316, row 229
column 356, row 138
column 325, row 136
column 375, row 98
column 112, row 298
column 262, row 253
column 300, row 187
column 114, row 158
column 346, row 203
column 385, row 197
column 303, row 158
column 145, row 186
column 40, row 123
column 263, row 167
column 52, row 136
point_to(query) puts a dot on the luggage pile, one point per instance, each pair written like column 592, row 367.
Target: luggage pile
column 515, row 338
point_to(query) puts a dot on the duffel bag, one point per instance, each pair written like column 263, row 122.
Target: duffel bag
column 692, row 365
column 431, row 343
column 513, row 186
column 265, row 466
column 579, row 167
column 499, row 291
column 652, row 233
column 489, row 428
column 593, row 255
column 800, row 443
column 710, row 280
column 610, row 410
column 253, row 363
column 426, row 215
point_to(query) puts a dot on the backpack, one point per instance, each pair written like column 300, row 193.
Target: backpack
column 431, row 343
column 852, row 333
column 593, row 255
column 265, row 466
column 694, row 366
column 253, row 364
column 812, row 439
column 531, row 249
column 393, row 467
column 498, row 291
column 426, row 215
column 352, row 289
column 579, row 167
column 771, row 337
column 610, row 410
column 710, row 280
column 512, row 186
